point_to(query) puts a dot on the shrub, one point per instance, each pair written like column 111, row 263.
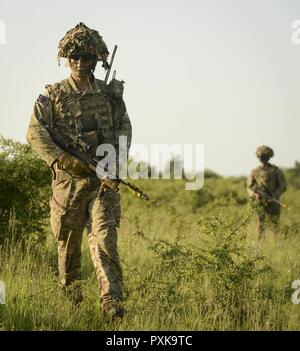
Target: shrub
column 24, row 181
column 293, row 176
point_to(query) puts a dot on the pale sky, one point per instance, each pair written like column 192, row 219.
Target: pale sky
column 220, row 73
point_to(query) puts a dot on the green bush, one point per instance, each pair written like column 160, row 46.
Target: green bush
column 221, row 192
column 293, row 176
column 24, row 181
column 223, row 262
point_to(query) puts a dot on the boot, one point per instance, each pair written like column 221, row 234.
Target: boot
column 113, row 310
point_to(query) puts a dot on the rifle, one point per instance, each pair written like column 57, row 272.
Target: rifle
column 83, row 152
column 268, row 198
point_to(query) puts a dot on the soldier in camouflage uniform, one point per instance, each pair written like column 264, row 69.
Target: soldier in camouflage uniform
column 267, row 179
column 82, row 100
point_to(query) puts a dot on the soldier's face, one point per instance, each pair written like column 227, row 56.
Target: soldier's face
column 264, row 159
column 82, row 65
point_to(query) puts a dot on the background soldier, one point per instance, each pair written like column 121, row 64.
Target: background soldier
column 99, row 110
column 265, row 184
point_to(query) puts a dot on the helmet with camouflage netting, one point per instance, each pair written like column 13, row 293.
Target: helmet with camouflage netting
column 83, row 40
column 264, row 151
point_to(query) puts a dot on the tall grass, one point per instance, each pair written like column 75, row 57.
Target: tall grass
column 191, row 261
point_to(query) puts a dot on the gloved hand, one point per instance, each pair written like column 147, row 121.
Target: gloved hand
column 70, row 163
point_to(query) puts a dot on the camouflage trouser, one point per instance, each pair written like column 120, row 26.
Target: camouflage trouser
column 268, row 216
column 76, row 205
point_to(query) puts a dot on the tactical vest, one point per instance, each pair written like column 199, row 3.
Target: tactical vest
column 267, row 178
column 92, row 116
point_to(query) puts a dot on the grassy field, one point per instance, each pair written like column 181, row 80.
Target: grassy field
column 191, row 261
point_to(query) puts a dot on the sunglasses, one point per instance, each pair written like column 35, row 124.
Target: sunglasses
column 83, row 57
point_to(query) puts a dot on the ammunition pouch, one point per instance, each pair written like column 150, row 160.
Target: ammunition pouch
column 87, row 124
